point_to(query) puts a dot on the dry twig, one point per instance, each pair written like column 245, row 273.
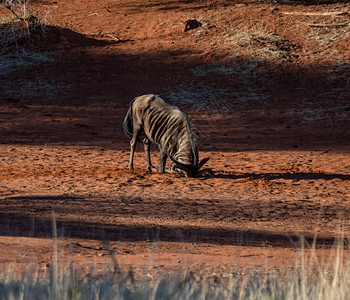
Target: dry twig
column 114, row 37
column 315, row 13
column 329, row 25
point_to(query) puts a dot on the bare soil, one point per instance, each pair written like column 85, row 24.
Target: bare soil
column 265, row 82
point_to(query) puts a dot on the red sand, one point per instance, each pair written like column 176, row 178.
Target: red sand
column 281, row 171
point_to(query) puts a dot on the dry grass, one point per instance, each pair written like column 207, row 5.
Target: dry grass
column 260, row 43
column 309, row 279
column 328, row 36
column 17, row 60
column 310, row 111
column 16, row 51
column 204, row 97
column 329, row 41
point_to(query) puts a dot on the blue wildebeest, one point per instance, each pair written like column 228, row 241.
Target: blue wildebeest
column 167, row 127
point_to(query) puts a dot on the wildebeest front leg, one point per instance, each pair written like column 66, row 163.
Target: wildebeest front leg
column 133, row 142
column 147, row 146
column 163, row 157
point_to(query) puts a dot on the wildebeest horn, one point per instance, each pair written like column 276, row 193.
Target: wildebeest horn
column 203, row 162
column 205, row 171
column 188, row 173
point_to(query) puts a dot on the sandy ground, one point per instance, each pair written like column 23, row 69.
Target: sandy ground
column 267, row 91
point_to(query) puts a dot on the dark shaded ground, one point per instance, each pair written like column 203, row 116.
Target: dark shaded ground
column 17, row 225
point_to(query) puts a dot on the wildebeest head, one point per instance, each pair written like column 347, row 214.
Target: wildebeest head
column 192, row 171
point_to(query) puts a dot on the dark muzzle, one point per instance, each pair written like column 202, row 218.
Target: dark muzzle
column 192, row 171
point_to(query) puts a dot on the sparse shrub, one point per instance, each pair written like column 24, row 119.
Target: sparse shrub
column 21, row 12
column 260, row 43
column 16, row 48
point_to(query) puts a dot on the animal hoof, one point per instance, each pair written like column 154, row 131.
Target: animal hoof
column 151, row 169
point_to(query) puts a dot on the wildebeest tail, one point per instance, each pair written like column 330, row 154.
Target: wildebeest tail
column 127, row 124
